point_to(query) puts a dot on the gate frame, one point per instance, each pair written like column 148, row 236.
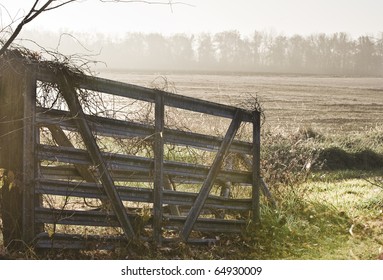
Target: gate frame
column 27, row 167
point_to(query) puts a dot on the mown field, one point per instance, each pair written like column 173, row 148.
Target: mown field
column 333, row 105
column 322, row 157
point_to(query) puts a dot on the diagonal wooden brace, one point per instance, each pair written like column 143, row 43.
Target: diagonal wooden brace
column 212, row 175
column 62, row 140
column 70, row 95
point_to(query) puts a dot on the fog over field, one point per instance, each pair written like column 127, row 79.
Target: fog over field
column 278, row 36
column 227, row 51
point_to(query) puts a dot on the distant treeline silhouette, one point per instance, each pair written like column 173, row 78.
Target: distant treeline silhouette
column 333, row 54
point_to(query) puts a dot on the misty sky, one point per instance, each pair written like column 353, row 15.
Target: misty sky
column 356, row 17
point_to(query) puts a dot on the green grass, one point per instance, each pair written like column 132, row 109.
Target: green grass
column 333, row 216
column 325, row 219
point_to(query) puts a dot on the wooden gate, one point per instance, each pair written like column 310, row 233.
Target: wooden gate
column 146, row 196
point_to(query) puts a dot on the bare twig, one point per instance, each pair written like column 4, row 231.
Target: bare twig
column 59, row 5
column 74, row 38
column 31, row 15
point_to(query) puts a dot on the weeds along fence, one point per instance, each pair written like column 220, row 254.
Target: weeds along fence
column 99, row 162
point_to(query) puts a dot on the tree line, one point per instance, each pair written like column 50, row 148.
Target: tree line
column 333, row 54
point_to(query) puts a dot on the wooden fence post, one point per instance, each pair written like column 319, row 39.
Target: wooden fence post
column 158, row 167
column 17, row 148
column 256, row 168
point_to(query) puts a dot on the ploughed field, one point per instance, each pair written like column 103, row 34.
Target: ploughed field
column 329, row 105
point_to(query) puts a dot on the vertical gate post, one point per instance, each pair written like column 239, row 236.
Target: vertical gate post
column 158, row 167
column 17, row 147
column 29, row 158
column 256, row 167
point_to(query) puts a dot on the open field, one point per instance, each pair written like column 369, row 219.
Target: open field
column 327, row 104
column 322, row 213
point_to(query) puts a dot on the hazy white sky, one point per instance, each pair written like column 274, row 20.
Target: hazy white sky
column 357, row 17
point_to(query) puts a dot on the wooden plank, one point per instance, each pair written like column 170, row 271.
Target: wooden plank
column 208, row 225
column 120, row 164
column 149, row 95
column 127, row 129
column 71, row 188
column 97, row 242
column 202, row 106
column 98, row 218
column 70, row 96
column 137, row 194
column 213, row 172
column 158, row 167
column 69, row 172
column 76, row 217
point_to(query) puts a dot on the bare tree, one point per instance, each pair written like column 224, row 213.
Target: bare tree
column 37, row 8
column 41, row 6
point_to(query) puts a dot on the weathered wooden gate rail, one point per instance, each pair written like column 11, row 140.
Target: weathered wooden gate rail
column 69, row 176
